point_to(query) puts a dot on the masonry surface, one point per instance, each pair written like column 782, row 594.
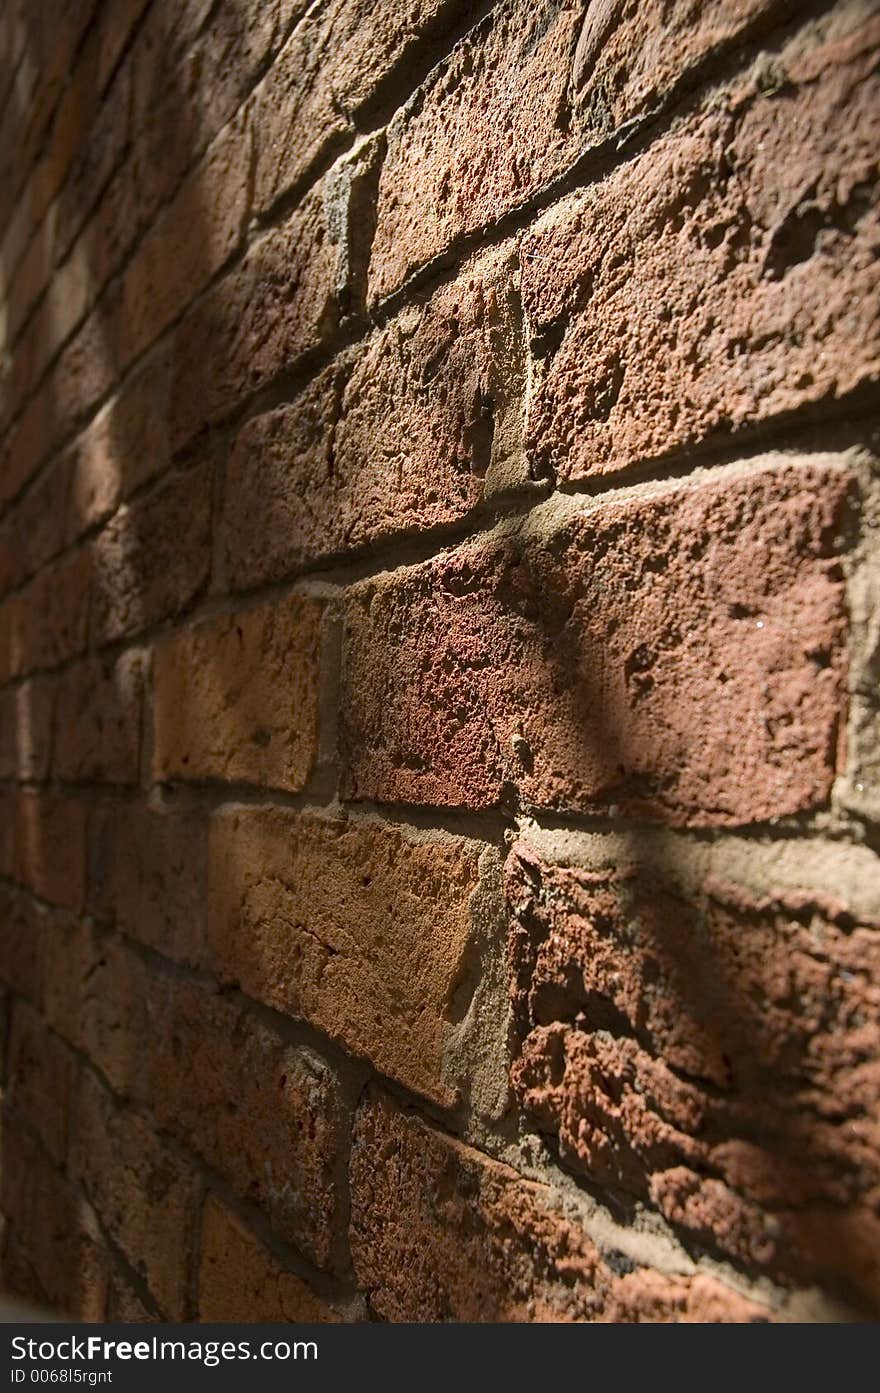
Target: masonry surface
column 439, row 640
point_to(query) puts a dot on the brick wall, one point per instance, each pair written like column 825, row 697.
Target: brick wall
column 438, row 651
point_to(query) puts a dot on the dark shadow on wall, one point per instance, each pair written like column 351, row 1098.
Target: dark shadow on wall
column 53, row 1248
column 172, row 86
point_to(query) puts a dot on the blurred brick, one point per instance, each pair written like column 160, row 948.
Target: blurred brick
column 236, row 697
column 240, row 1280
column 355, row 927
column 263, row 1114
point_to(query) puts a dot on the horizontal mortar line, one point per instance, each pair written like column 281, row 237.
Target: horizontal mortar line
column 136, row 135
column 491, row 825
column 786, row 429
column 440, row 268
column 800, row 433
column 355, row 1072
column 126, row 1105
column 129, row 1103
column 370, row 119
column 196, row 160
column 427, row 1112
column 336, row 148
column 615, row 151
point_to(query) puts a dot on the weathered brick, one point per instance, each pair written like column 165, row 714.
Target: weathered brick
column 725, row 234
column 142, row 1193
column 236, row 697
column 265, row 1115
column 51, row 1233
column 240, row 1280
column 519, row 101
column 122, row 449
column 330, row 70
column 50, row 847
column 189, row 241
column 189, row 78
column 98, row 720
column 710, row 1051
column 153, row 557
column 40, row 1077
column 53, row 37
column 148, row 875
column 280, row 303
column 26, row 729
column 680, row 655
column 441, row 1232
column 361, row 929
column 408, row 435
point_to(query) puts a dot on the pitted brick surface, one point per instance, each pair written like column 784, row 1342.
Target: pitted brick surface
column 713, row 1054
column 679, row 656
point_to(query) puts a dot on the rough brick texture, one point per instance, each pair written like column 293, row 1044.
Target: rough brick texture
column 440, row 1232
column 439, row 504
column 679, row 656
column 713, row 1054
column 357, row 928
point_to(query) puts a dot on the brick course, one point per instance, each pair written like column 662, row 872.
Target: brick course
column 438, row 653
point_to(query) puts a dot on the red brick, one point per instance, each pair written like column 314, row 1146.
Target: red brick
column 115, row 22
column 240, row 1280
column 28, row 282
column 52, row 1228
column 189, row 241
column 440, row 1232
column 236, row 697
column 712, row 1052
column 189, row 79
column 50, row 847
column 361, row 929
column 122, row 449
column 532, row 89
column 26, row 729
column 153, row 557
column 263, row 1114
column 148, row 875
column 98, row 720
column 282, row 302
column 8, row 832
column 679, row 655
column 54, row 33
column 330, row 70
column 143, row 1195
column 725, row 234
column 40, row 1077
column 409, row 435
